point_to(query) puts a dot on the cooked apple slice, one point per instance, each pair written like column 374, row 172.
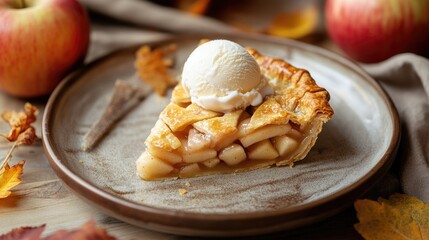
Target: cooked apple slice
column 197, row 140
column 233, row 154
column 262, row 150
column 167, row 156
column 227, row 141
column 150, row 167
column 211, row 162
column 243, row 127
column 285, row 144
column 189, row 170
column 199, row 156
column 293, row 133
column 263, row 133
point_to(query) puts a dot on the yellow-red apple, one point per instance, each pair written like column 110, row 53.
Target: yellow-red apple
column 372, row 31
column 40, row 42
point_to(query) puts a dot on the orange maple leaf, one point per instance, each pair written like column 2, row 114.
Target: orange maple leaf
column 399, row 217
column 9, row 178
column 19, row 121
column 153, row 67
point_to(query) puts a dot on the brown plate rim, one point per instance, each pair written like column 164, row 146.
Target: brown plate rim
column 218, row 224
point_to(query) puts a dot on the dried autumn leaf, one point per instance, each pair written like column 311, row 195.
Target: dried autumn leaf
column 399, row 217
column 27, row 137
column 87, row 231
column 19, row 121
column 24, row 233
column 153, row 67
column 9, row 178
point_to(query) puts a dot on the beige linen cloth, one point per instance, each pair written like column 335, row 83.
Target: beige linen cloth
column 405, row 76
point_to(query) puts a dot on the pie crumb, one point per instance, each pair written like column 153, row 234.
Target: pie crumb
column 182, row 191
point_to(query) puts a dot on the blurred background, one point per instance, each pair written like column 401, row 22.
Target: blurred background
column 366, row 31
column 301, row 20
column 290, row 19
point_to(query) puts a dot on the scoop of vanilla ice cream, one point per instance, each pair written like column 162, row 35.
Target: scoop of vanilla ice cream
column 220, row 75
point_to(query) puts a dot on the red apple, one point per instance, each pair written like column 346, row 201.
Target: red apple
column 40, row 42
column 372, row 31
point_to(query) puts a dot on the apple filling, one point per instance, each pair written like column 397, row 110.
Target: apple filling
column 194, row 151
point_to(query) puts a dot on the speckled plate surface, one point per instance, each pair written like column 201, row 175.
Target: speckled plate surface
column 354, row 150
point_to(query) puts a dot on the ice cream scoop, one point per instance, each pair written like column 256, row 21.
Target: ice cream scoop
column 221, row 75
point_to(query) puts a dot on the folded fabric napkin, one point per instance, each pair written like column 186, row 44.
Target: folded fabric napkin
column 405, row 76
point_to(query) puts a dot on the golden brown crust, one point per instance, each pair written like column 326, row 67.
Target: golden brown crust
column 180, row 96
column 295, row 90
column 178, row 118
column 269, row 112
column 162, row 137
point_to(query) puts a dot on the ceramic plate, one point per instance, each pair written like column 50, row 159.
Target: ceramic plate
column 353, row 151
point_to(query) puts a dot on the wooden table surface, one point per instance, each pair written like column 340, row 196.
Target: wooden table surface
column 42, row 198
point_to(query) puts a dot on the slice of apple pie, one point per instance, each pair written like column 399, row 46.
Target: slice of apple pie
column 212, row 127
